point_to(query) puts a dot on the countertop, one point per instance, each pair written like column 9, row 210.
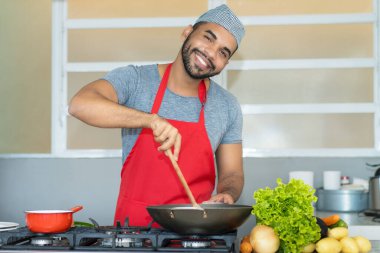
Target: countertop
column 359, row 224
column 353, row 218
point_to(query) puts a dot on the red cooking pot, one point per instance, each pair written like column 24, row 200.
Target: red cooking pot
column 50, row 221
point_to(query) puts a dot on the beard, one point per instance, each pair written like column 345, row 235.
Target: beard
column 193, row 71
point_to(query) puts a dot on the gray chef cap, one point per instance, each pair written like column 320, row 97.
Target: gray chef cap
column 223, row 16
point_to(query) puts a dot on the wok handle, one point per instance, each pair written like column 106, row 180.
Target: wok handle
column 182, row 179
column 76, row 208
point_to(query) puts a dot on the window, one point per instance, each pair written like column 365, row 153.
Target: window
column 306, row 74
column 307, row 78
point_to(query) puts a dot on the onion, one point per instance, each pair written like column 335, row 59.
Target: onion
column 264, row 240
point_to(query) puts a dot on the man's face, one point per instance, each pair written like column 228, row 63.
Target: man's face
column 206, row 50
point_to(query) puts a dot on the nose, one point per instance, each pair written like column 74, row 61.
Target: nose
column 211, row 52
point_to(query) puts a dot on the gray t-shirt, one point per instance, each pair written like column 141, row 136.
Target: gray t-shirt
column 136, row 87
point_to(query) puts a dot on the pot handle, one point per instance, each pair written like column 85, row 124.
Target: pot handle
column 76, row 208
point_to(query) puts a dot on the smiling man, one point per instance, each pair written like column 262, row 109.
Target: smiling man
column 175, row 108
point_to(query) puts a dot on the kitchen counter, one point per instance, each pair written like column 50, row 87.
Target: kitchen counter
column 97, row 251
column 358, row 224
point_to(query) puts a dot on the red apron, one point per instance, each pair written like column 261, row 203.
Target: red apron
column 147, row 176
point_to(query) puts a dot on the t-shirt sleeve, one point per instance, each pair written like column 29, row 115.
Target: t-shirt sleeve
column 124, row 81
column 235, row 126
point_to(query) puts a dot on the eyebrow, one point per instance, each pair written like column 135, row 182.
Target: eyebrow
column 214, row 36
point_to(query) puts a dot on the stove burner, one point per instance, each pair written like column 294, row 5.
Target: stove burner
column 129, row 242
column 126, row 229
column 55, row 241
column 126, row 242
column 42, row 241
column 196, row 244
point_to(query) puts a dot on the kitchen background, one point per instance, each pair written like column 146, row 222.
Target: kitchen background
column 308, row 86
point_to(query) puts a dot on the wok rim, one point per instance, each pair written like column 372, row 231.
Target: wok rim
column 204, row 206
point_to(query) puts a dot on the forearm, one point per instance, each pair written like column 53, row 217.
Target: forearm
column 96, row 104
column 231, row 184
column 230, row 170
column 101, row 112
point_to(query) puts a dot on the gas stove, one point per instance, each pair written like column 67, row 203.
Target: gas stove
column 373, row 213
column 115, row 238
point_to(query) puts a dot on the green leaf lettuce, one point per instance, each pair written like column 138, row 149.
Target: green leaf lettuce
column 289, row 211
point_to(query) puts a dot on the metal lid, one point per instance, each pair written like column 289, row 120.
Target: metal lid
column 342, row 191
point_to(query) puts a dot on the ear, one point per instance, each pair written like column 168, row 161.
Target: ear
column 186, row 31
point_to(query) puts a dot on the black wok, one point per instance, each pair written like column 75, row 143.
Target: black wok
column 186, row 219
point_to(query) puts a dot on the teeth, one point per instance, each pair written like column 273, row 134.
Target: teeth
column 202, row 61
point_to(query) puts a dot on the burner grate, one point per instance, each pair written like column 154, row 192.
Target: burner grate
column 375, row 214
column 22, row 238
column 168, row 241
column 109, row 238
column 95, row 239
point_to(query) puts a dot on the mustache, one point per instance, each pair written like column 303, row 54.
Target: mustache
column 205, row 56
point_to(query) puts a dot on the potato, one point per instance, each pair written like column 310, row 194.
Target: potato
column 349, row 245
column 337, row 233
column 328, row 245
column 363, row 243
column 309, row 248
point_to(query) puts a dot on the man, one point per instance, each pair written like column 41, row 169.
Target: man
column 173, row 108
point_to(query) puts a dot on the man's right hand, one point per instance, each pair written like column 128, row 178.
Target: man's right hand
column 166, row 134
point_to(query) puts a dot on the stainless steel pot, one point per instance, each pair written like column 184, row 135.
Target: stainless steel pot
column 374, row 191
column 214, row 219
column 342, row 200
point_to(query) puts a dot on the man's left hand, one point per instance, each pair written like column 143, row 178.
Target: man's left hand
column 221, row 198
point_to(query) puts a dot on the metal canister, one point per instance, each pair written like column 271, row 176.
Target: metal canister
column 374, row 191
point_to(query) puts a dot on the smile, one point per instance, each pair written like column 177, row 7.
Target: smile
column 202, row 60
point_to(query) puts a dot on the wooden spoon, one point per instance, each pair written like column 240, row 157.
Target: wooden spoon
column 183, row 180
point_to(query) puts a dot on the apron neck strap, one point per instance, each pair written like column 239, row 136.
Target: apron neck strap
column 202, row 94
